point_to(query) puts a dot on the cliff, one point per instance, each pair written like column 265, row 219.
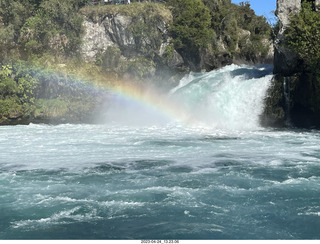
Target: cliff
column 132, row 41
column 285, row 61
column 293, row 97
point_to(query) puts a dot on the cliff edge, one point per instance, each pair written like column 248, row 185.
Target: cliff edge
column 292, row 99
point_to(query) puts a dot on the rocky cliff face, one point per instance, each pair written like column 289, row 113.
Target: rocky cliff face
column 292, row 96
column 286, row 62
column 139, row 41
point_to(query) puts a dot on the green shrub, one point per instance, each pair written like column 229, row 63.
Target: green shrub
column 8, row 86
column 53, row 26
column 303, row 35
column 110, row 58
column 51, row 108
column 169, row 51
column 27, row 86
column 10, row 108
column 191, row 27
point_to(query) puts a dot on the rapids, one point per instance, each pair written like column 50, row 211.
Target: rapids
column 208, row 172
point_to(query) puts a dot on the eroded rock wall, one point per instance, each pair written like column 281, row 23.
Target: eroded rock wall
column 285, row 61
column 292, row 98
column 136, row 38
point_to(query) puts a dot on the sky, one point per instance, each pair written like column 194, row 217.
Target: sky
column 262, row 7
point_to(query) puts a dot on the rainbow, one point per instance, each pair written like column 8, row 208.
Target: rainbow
column 146, row 97
column 152, row 99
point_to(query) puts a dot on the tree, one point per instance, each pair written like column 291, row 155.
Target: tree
column 252, row 46
column 219, row 9
column 191, row 24
column 303, row 35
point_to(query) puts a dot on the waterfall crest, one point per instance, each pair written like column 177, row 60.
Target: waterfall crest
column 228, row 98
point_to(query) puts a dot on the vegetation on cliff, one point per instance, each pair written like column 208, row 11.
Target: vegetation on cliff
column 136, row 32
column 39, row 37
column 244, row 33
column 220, row 29
column 28, row 93
column 294, row 97
column 191, row 28
column 303, row 35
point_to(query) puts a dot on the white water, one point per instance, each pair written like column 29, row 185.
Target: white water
column 219, row 177
column 230, row 98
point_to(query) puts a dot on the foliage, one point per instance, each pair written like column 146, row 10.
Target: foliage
column 33, row 27
column 259, row 29
column 169, row 51
column 140, row 68
column 50, row 108
column 219, row 11
column 110, row 58
column 10, row 108
column 237, row 26
column 133, row 10
column 9, row 101
column 26, row 88
column 56, row 26
column 275, row 30
column 8, row 86
column 114, row 64
column 36, row 93
column 303, row 35
column 191, row 27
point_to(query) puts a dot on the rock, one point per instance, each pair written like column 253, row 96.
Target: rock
column 284, row 9
column 292, row 99
column 285, row 61
column 317, row 5
column 95, row 40
column 121, row 31
column 274, row 113
column 270, row 56
column 136, row 37
column 117, row 29
column 174, row 59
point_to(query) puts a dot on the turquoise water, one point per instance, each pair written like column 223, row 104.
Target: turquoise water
column 164, row 181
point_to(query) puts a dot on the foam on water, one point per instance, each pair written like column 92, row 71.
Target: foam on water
column 164, row 181
column 175, row 182
column 230, row 98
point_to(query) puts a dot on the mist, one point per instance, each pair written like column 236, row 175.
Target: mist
column 230, row 98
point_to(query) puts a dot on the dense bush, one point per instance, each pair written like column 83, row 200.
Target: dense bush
column 191, row 24
column 29, row 93
column 303, row 35
column 239, row 28
column 33, row 27
column 56, row 27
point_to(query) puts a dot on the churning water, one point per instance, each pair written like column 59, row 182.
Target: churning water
column 219, row 176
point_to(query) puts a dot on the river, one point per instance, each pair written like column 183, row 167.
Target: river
column 215, row 175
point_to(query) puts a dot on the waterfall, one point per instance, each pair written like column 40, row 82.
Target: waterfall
column 231, row 98
column 228, row 98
